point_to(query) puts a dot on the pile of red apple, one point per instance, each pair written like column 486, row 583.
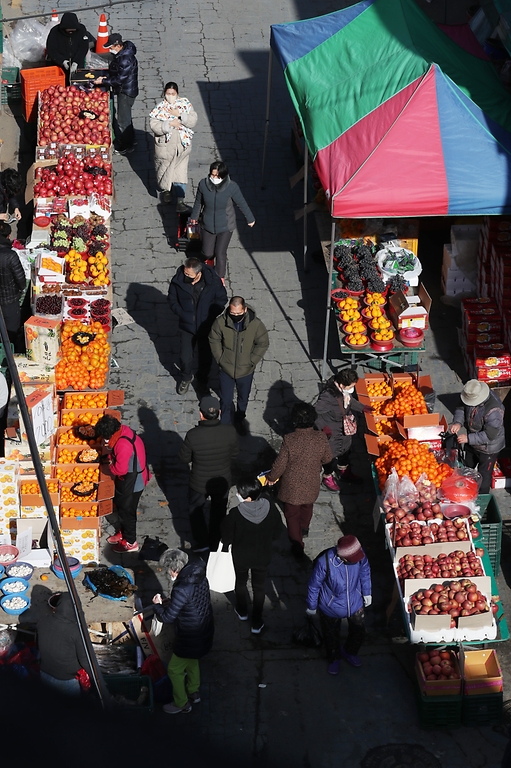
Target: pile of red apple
column 450, row 530
column 454, row 598
column 72, row 176
column 60, row 121
column 452, row 565
column 411, row 534
column 438, row 665
column 426, row 511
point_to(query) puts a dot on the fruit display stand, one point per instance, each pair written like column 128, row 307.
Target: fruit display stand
column 398, row 357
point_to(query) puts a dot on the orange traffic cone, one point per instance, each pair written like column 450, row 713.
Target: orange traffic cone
column 54, row 16
column 102, row 35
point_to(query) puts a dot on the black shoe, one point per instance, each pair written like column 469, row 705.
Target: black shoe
column 297, row 550
column 239, row 423
column 202, row 387
column 126, row 151
column 183, row 387
column 305, row 532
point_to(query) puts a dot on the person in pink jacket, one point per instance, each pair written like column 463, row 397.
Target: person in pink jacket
column 129, row 466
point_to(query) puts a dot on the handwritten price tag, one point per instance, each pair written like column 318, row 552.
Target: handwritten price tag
column 42, row 419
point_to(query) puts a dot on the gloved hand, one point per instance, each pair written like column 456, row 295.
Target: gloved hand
column 65, row 64
column 367, row 601
column 310, row 611
column 74, row 67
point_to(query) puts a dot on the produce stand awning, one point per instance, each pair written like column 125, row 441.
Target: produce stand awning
column 399, row 120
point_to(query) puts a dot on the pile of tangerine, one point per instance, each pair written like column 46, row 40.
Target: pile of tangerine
column 70, row 438
column 74, row 512
column 386, row 334
column 348, row 303
column 357, row 339
column 79, row 474
column 380, row 323
column 83, row 367
column 379, row 389
column 33, row 487
column 73, row 419
column 357, row 326
column 85, row 400
column 67, row 457
column 349, row 315
column 407, row 401
column 66, row 494
column 375, row 299
column 410, row 458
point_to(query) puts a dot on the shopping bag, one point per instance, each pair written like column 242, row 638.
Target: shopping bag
column 220, row 570
column 308, row 635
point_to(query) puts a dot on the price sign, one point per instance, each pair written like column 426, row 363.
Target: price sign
column 42, row 419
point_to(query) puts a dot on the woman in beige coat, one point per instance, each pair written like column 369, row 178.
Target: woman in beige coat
column 171, row 122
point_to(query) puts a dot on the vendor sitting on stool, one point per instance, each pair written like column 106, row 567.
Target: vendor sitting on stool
column 482, row 414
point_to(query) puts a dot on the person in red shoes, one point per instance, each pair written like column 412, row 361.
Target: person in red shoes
column 128, row 464
column 340, row 588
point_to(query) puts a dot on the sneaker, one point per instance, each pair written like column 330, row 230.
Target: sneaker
column 258, row 629
column 183, row 387
column 124, row 546
column 167, row 197
column 241, row 617
column 329, row 483
column 116, row 538
column 182, row 207
column 240, row 425
column 194, row 697
column 297, row 550
column 333, row 667
column 351, row 658
column 171, row 709
column 126, row 151
column 209, row 262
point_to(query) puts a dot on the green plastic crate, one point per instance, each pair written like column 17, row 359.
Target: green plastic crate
column 438, row 711
column 482, row 710
column 491, row 524
column 11, row 85
column 130, row 686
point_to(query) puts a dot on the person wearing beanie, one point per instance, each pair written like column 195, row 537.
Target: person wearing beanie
column 251, row 528
column 68, row 43
column 209, row 449
column 482, row 414
column 340, row 588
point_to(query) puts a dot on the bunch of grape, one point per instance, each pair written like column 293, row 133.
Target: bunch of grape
column 397, row 283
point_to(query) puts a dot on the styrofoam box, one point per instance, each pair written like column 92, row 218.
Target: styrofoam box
column 426, row 549
column 472, row 627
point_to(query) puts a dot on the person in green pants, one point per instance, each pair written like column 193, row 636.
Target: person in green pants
column 189, row 610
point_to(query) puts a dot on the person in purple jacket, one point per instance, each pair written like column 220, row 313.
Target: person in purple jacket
column 340, row 587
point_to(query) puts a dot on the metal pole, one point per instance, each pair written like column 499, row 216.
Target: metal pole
column 305, row 190
column 267, row 120
column 328, row 301
column 52, row 518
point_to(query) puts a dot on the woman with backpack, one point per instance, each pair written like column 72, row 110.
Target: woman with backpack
column 128, row 464
column 340, row 588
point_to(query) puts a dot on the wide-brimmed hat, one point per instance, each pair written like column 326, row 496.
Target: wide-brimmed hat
column 475, row 392
column 348, row 547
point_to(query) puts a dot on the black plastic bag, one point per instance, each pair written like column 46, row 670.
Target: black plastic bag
column 309, row 635
column 152, row 549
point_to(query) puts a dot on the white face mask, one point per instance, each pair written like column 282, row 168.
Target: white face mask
column 240, row 498
column 349, row 391
column 171, row 98
column 215, row 179
column 173, row 578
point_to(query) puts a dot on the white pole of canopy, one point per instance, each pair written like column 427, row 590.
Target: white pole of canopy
column 328, row 301
column 305, row 185
column 267, row 122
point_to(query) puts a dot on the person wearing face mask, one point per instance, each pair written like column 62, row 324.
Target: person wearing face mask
column 238, row 342
column 251, row 528
column 215, row 197
column 340, row 588
column 67, row 44
column 336, row 408
column 298, row 467
column 189, row 610
column 171, row 122
column 196, row 295
column 123, row 81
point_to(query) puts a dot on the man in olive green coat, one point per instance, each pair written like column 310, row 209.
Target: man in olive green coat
column 238, row 342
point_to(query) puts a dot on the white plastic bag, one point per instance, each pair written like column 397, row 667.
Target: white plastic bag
column 220, row 571
column 28, row 40
column 93, row 61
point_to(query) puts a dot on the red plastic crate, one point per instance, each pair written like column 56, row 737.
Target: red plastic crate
column 35, row 80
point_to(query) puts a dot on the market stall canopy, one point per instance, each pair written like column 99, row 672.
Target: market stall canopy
column 400, row 121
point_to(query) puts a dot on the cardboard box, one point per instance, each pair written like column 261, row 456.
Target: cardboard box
column 42, row 339
column 481, row 672
column 372, row 420
column 410, row 311
column 104, row 508
column 114, row 397
column 81, row 413
column 435, row 549
column 443, row 687
column 106, row 483
column 38, row 526
column 34, row 373
column 372, row 378
column 82, row 543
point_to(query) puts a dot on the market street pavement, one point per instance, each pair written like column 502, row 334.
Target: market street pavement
column 265, row 700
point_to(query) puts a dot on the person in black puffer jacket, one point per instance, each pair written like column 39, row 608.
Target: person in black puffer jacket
column 209, row 447
column 215, row 197
column 67, row 44
column 123, row 80
column 251, row 528
column 12, row 283
column 189, row 609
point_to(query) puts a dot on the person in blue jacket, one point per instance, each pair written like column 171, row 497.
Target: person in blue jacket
column 123, row 80
column 340, row 587
column 189, row 610
column 197, row 296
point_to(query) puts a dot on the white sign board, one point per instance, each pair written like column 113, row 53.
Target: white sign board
column 43, row 420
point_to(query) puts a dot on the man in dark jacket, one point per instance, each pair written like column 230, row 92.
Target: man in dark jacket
column 209, row 447
column 238, row 342
column 123, row 80
column 189, row 609
column 251, row 528
column 67, row 44
column 61, row 646
column 196, row 295
column 482, row 414
column 12, row 283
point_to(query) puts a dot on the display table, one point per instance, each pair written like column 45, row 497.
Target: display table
column 399, row 356
column 96, row 610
